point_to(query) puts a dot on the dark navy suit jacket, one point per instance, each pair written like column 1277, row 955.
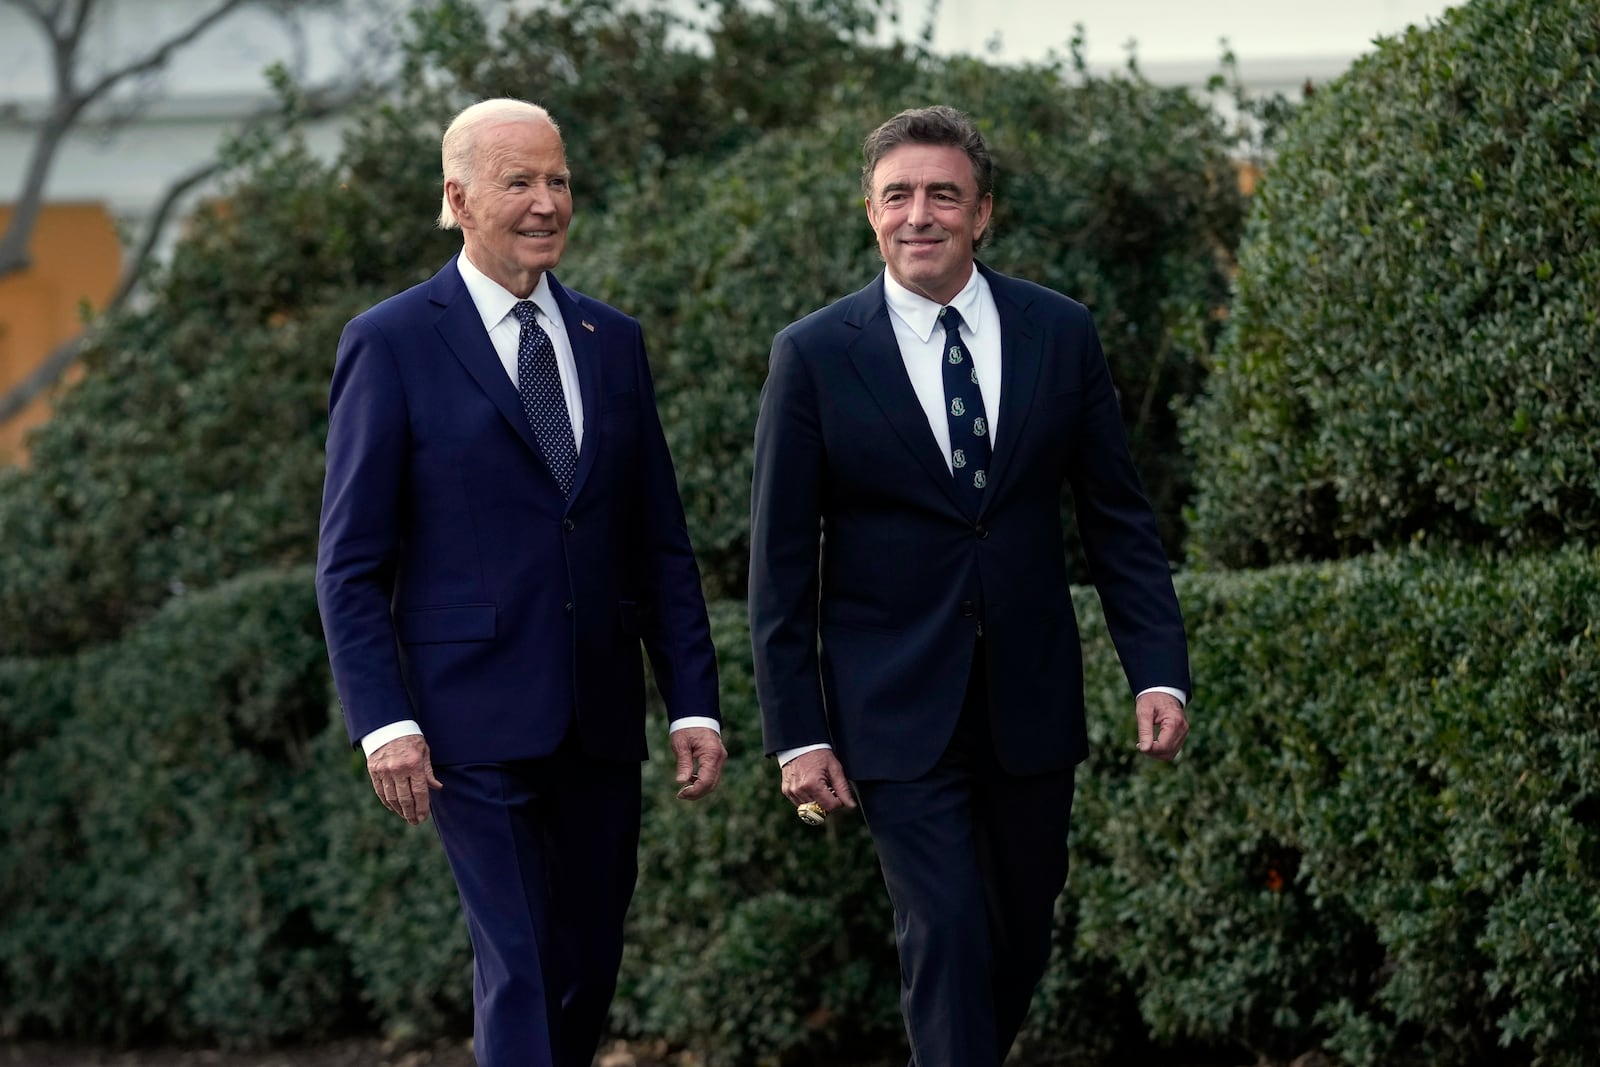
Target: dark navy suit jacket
column 858, row 538
column 457, row 586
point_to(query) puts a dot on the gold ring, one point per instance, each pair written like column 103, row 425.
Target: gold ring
column 811, row 813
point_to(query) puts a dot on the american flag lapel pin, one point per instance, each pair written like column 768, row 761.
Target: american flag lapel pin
column 587, row 325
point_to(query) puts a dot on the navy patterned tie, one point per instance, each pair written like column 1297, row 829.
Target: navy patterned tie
column 539, row 382
column 969, row 429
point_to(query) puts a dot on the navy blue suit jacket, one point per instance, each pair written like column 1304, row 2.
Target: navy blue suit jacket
column 859, row 539
column 457, row 586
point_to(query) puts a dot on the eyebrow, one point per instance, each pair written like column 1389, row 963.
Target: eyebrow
column 932, row 187
column 513, row 175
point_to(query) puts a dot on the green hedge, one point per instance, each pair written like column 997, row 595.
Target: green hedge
column 157, row 835
column 1384, row 835
column 1414, row 347
column 1382, row 840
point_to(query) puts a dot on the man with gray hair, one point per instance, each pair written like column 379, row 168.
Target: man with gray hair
column 915, row 644
column 501, row 531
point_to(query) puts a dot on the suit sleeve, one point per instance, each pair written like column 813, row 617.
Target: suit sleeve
column 785, row 544
column 1120, row 539
column 677, row 637
column 359, row 537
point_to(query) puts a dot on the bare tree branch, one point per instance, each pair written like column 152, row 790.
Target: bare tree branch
column 45, row 19
column 133, row 268
column 65, row 31
column 15, row 400
column 314, row 105
column 160, row 54
column 41, row 378
column 65, row 24
column 80, row 24
column 29, row 204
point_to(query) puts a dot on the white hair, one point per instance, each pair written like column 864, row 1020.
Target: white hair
column 460, row 144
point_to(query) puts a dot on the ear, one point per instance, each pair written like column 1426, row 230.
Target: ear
column 457, row 195
column 871, row 215
column 985, row 208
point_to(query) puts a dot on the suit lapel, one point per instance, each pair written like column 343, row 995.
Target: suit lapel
column 877, row 359
column 587, row 354
column 1021, row 356
column 462, row 329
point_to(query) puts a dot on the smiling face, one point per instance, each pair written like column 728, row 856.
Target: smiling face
column 925, row 209
column 515, row 210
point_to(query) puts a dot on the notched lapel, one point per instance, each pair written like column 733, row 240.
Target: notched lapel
column 461, row 327
column 1021, row 356
column 875, row 353
column 587, row 353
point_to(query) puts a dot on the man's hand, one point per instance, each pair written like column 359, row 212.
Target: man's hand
column 1162, row 725
column 402, row 774
column 817, row 775
column 700, row 758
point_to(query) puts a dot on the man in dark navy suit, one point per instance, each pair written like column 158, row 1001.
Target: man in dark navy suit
column 501, row 529
column 915, row 644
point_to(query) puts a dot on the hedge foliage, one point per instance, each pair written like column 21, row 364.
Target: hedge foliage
column 1381, row 841
column 1384, row 836
column 160, row 829
column 1414, row 351
column 1397, row 861
column 716, row 201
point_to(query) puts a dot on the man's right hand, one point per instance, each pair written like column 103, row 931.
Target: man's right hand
column 817, row 775
column 402, row 774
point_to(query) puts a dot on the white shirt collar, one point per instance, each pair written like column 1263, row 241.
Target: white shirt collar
column 494, row 301
column 922, row 314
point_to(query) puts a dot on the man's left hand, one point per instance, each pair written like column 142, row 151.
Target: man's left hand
column 700, row 758
column 1162, row 725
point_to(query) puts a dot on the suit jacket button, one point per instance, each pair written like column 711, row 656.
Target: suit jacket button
column 567, row 607
column 968, row 609
column 982, row 531
column 568, row 525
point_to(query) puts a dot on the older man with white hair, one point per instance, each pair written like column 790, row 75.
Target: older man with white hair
column 501, row 531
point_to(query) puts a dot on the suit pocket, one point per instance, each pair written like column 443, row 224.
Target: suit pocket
column 627, row 400
column 458, row 622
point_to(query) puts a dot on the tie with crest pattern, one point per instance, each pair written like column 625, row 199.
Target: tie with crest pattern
column 969, row 429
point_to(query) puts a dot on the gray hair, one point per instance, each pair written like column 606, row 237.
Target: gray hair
column 936, row 125
column 460, row 145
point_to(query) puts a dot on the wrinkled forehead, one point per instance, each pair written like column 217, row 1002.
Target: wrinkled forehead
column 532, row 147
column 915, row 165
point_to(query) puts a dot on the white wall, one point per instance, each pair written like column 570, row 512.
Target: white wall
column 179, row 116
column 1173, row 31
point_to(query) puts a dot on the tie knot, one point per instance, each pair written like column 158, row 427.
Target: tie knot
column 950, row 318
column 524, row 311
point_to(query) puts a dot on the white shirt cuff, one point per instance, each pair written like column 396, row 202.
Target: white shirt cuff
column 786, row 754
column 1182, row 697
column 384, row 734
column 693, row 720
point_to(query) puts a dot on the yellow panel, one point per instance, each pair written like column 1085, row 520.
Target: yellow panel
column 76, row 261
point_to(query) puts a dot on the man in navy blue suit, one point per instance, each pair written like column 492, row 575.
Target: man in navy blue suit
column 501, row 530
column 915, row 646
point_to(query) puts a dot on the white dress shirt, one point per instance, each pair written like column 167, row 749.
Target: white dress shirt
column 915, row 319
column 494, row 303
column 916, row 327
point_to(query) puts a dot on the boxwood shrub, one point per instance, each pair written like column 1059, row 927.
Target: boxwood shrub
column 1383, row 838
column 1382, row 842
column 1414, row 346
